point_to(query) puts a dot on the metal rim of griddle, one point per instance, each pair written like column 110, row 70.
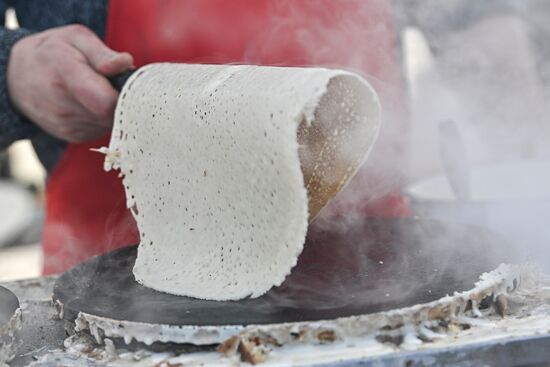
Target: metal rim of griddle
column 131, row 306
column 10, row 318
column 9, row 304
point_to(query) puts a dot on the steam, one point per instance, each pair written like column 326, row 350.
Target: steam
column 489, row 76
column 483, row 66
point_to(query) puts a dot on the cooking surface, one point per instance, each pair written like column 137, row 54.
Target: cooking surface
column 348, row 267
column 43, row 336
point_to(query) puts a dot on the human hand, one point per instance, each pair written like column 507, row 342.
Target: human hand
column 57, row 79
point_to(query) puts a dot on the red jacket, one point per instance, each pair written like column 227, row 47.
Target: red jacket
column 86, row 213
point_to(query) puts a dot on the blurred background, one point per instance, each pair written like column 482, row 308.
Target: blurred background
column 484, row 65
column 22, row 180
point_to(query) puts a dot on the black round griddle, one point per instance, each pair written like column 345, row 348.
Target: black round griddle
column 349, row 266
column 8, row 305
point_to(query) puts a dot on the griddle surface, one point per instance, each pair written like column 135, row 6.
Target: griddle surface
column 348, row 267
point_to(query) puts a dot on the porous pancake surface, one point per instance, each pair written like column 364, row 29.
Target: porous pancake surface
column 211, row 167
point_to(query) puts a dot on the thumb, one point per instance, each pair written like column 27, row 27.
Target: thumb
column 101, row 58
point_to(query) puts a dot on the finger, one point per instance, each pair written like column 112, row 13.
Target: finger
column 122, row 62
column 102, row 59
column 92, row 90
column 118, row 63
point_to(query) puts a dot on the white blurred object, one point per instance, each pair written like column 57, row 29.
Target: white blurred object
column 25, row 166
column 20, row 262
column 426, row 87
column 17, row 209
column 11, row 19
column 417, row 58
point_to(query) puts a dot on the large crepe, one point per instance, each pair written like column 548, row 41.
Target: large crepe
column 211, row 162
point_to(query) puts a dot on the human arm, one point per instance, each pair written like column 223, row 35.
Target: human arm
column 58, row 79
column 13, row 125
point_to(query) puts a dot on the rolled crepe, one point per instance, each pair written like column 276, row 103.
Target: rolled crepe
column 211, row 159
